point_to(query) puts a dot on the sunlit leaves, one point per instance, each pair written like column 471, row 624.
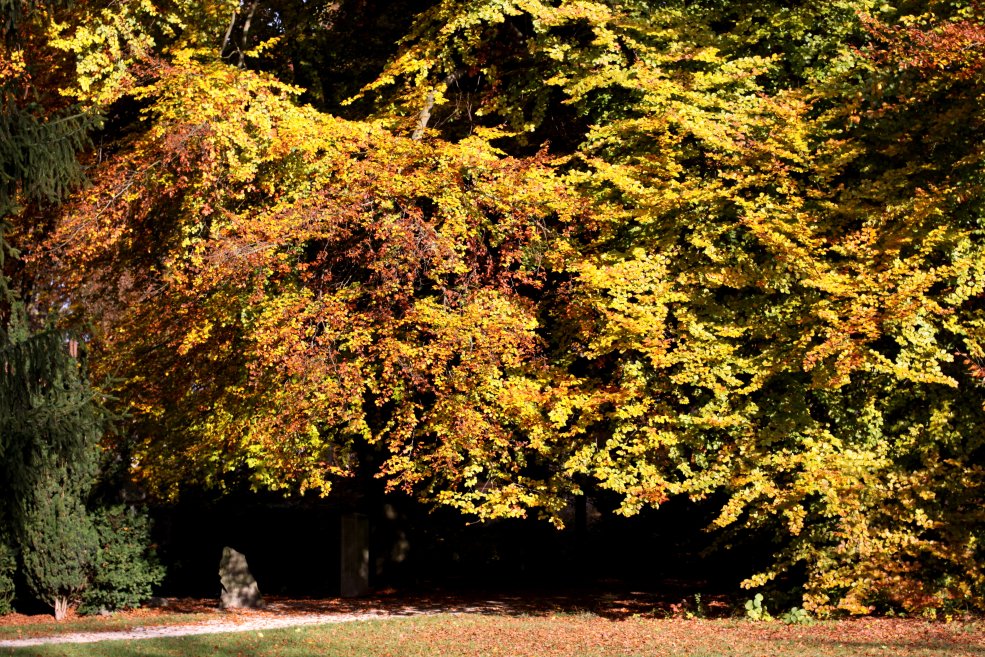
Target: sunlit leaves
column 717, row 250
column 347, row 285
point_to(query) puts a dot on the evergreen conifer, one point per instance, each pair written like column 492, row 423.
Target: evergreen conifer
column 58, row 538
column 49, row 427
column 8, row 564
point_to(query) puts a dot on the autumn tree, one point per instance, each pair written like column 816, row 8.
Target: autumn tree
column 749, row 311
column 702, row 249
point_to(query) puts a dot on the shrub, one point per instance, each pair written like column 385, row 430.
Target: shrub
column 8, row 564
column 797, row 616
column 58, row 541
column 125, row 569
column 755, row 609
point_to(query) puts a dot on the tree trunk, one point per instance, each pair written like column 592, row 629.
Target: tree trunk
column 61, row 608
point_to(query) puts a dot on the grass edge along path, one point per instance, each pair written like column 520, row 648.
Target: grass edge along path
column 561, row 635
column 142, row 632
column 42, row 626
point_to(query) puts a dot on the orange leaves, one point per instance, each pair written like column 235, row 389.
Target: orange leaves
column 328, row 282
column 927, row 44
column 746, row 276
column 480, row 362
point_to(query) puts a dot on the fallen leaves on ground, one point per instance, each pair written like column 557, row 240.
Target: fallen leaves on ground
column 557, row 636
column 596, row 625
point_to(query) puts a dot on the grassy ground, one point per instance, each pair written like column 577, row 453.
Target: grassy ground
column 47, row 626
column 567, row 635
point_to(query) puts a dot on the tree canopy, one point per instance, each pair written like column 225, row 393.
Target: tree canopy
column 508, row 252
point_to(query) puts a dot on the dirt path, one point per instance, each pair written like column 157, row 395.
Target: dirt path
column 207, row 627
column 282, row 612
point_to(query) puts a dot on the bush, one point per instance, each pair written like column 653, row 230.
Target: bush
column 58, row 541
column 125, row 569
column 797, row 616
column 8, row 564
column 755, row 610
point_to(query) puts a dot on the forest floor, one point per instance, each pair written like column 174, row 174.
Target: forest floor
column 465, row 626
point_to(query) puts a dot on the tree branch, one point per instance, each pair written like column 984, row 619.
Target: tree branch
column 425, row 115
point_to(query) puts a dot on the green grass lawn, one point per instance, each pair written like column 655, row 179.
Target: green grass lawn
column 581, row 635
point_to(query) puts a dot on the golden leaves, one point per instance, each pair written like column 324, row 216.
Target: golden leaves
column 735, row 281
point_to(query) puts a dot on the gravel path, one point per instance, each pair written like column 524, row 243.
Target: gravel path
column 207, row 627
